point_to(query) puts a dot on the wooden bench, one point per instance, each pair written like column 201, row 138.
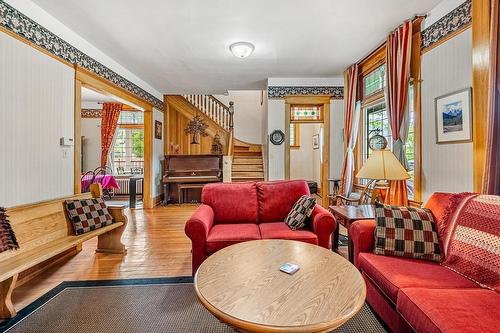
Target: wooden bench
column 45, row 235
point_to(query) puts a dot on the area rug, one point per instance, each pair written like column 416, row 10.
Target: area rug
column 164, row 305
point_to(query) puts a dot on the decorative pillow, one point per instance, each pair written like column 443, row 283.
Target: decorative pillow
column 474, row 247
column 302, row 209
column 88, row 214
column 406, row 232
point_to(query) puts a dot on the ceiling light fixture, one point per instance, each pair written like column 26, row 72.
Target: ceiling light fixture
column 241, row 49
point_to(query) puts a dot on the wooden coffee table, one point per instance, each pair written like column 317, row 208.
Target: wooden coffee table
column 242, row 286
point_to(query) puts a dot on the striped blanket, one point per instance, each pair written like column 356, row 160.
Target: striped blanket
column 7, row 237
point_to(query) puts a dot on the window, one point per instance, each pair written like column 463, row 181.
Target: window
column 377, row 122
column 374, row 82
column 410, row 145
column 294, row 136
column 304, row 113
column 128, row 149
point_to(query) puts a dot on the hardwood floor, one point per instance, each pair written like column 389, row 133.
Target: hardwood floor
column 156, row 247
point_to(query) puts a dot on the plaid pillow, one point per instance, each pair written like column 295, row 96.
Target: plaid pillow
column 301, row 210
column 88, row 214
column 406, row 232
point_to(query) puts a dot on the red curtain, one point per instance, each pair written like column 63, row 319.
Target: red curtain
column 398, row 77
column 492, row 170
column 351, row 123
column 109, row 122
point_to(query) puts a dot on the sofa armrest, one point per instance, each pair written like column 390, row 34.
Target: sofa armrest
column 362, row 236
column 197, row 228
column 323, row 224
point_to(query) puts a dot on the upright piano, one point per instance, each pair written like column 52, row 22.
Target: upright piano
column 189, row 172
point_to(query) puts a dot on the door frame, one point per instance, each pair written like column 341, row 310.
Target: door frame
column 87, row 79
column 325, row 172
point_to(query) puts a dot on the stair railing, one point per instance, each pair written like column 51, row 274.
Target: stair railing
column 230, row 143
column 212, row 108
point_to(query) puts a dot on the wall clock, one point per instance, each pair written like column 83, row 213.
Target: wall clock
column 377, row 142
column 277, row 137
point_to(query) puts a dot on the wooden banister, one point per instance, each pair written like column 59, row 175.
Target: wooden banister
column 212, row 108
column 230, row 144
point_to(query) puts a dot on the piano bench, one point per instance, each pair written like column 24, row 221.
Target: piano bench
column 186, row 186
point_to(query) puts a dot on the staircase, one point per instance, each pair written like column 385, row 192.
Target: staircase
column 247, row 162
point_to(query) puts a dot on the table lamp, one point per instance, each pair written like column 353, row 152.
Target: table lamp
column 382, row 165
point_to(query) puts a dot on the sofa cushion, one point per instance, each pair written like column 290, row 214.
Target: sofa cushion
column 222, row 235
column 301, row 211
column 406, row 232
column 277, row 198
column 280, row 230
column 232, row 202
column 393, row 273
column 468, row 310
column 474, row 245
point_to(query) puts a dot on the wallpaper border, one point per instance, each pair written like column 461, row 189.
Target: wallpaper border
column 448, row 24
column 277, row 92
column 23, row 26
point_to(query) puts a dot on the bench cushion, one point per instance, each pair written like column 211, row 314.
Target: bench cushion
column 390, row 274
column 467, row 310
column 88, row 214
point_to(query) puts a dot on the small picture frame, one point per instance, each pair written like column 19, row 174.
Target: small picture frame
column 158, row 130
column 316, row 141
column 454, row 117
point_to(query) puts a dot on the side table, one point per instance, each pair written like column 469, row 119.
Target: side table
column 346, row 215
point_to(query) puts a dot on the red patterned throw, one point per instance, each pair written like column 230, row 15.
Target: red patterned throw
column 474, row 248
column 406, row 232
column 8, row 239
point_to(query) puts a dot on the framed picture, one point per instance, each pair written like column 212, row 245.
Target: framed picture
column 454, row 117
column 316, row 141
column 158, row 130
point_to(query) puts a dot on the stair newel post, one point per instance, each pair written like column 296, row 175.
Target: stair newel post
column 231, row 129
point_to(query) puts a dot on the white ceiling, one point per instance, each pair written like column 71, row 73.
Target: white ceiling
column 89, row 95
column 182, row 46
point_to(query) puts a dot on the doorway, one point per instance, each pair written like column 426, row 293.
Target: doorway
column 130, row 152
column 307, row 144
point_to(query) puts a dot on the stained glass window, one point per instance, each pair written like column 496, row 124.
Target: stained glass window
column 306, row 113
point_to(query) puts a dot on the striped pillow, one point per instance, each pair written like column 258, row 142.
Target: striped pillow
column 302, row 209
column 474, row 247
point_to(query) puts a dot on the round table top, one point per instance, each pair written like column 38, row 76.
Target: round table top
column 242, row 286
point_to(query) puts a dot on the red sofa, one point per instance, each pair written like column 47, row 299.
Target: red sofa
column 236, row 212
column 413, row 295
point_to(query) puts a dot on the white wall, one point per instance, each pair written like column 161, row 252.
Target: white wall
column 276, row 154
column 91, row 132
column 248, row 113
column 445, row 69
column 305, row 161
column 336, row 138
column 157, row 156
column 36, row 109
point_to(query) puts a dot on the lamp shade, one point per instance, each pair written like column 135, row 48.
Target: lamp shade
column 382, row 164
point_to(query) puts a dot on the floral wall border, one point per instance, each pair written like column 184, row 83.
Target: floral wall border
column 451, row 22
column 23, row 26
column 91, row 113
column 277, row 92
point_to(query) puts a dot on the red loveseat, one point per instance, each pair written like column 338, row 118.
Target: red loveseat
column 236, row 212
column 412, row 295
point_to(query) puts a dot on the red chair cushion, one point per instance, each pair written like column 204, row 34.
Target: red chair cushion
column 222, row 235
column 468, row 310
column 393, row 273
column 277, row 198
column 279, row 230
column 232, row 202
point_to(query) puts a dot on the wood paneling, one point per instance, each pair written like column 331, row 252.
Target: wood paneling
column 148, row 158
column 77, row 138
column 481, row 12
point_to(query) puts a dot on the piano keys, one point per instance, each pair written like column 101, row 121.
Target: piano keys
column 189, row 169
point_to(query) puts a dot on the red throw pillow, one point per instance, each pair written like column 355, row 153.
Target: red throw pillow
column 474, row 247
column 406, row 232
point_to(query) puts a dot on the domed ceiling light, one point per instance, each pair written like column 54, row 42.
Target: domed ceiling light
column 241, row 49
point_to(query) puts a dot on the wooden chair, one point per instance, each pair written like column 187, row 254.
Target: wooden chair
column 45, row 236
column 361, row 195
column 103, row 171
column 90, row 175
column 137, row 171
